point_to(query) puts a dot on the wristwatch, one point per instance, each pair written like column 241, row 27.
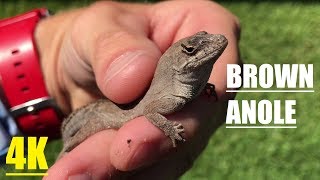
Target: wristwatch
column 22, row 84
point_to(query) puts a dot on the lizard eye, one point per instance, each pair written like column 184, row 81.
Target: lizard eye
column 188, row 49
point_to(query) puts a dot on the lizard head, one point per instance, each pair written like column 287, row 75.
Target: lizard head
column 194, row 59
column 200, row 50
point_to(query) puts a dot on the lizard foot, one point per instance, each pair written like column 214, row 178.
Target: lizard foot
column 171, row 129
column 210, row 91
column 175, row 133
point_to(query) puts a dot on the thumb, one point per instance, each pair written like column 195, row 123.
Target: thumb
column 109, row 46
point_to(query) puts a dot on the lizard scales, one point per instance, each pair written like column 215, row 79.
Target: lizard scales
column 181, row 75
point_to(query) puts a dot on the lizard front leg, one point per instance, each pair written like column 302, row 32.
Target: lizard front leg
column 154, row 113
column 171, row 129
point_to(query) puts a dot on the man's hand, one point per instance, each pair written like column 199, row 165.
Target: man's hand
column 111, row 49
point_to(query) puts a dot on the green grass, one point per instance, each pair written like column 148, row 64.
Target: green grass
column 272, row 32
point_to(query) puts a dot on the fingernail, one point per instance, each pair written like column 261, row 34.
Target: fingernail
column 85, row 176
column 125, row 61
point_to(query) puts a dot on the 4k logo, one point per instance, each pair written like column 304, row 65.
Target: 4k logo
column 35, row 155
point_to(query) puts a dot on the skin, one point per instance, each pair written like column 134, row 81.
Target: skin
column 83, row 56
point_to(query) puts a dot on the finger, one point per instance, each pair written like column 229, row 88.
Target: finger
column 197, row 16
column 170, row 168
column 139, row 143
column 89, row 160
column 110, row 45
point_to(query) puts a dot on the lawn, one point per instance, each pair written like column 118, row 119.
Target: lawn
column 272, row 32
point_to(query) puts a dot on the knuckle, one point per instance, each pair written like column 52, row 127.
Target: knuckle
column 213, row 8
column 103, row 9
column 110, row 38
column 122, row 34
column 93, row 14
column 98, row 5
column 221, row 13
column 113, row 43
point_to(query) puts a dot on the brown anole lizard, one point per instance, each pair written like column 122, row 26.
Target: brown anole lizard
column 181, row 75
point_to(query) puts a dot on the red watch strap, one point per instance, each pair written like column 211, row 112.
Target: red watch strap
column 21, row 77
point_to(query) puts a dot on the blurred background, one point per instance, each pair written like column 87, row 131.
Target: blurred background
column 272, row 32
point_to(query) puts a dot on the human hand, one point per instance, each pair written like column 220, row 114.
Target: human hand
column 111, row 49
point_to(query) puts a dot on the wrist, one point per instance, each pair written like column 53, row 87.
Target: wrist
column 22, row 84
column 49, row 35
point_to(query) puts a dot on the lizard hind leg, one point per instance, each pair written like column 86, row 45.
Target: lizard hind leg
column 91, row 127
column 171, row 129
